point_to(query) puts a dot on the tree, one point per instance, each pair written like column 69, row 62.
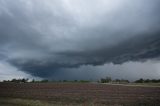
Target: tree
column 106, row 80
column 33, row 81
column 44, row 81
column 24, row 80
column 141, row 80
column 147, row 81
column 103, row 80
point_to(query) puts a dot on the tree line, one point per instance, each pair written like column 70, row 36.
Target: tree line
column 26, row 80
column 23, row 80
column 141, row 80
column 102, row 80
column 109, row 80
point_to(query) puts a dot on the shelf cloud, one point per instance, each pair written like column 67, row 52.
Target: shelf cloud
column 47, row 38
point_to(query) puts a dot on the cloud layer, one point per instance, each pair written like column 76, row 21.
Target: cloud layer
column 43, row 38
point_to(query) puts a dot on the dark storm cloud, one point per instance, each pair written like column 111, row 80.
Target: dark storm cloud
column 135, row 49
column 47, row 37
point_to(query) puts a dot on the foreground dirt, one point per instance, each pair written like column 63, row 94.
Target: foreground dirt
column 81, row 94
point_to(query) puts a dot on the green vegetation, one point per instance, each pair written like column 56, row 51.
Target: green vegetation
column 44, row 81
column 106, row 80
column 102, row 80
column 23, row 80
column 116, row 81
column 141, row 80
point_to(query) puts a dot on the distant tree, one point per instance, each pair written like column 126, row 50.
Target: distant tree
column 147, row 81
column 141, row 80
column 106, row 80
column 24, row 80
column 44, row 81
column 103, row 80
column 15, row 80
column 33, row 81
column 6, row 81
column 155, row 81
column 84, row 81
column 65, row 81
column 75, row 80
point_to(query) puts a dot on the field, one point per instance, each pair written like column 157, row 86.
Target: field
column 77, row 94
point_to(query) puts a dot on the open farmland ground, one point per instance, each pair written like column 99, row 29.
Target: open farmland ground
column 48, row 94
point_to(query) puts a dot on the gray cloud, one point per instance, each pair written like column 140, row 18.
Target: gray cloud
column 148, row 69
column 44, row 38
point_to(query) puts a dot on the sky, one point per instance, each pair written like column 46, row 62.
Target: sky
column 79, row 39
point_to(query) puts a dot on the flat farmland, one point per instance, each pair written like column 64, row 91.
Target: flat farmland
column 80, row 94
